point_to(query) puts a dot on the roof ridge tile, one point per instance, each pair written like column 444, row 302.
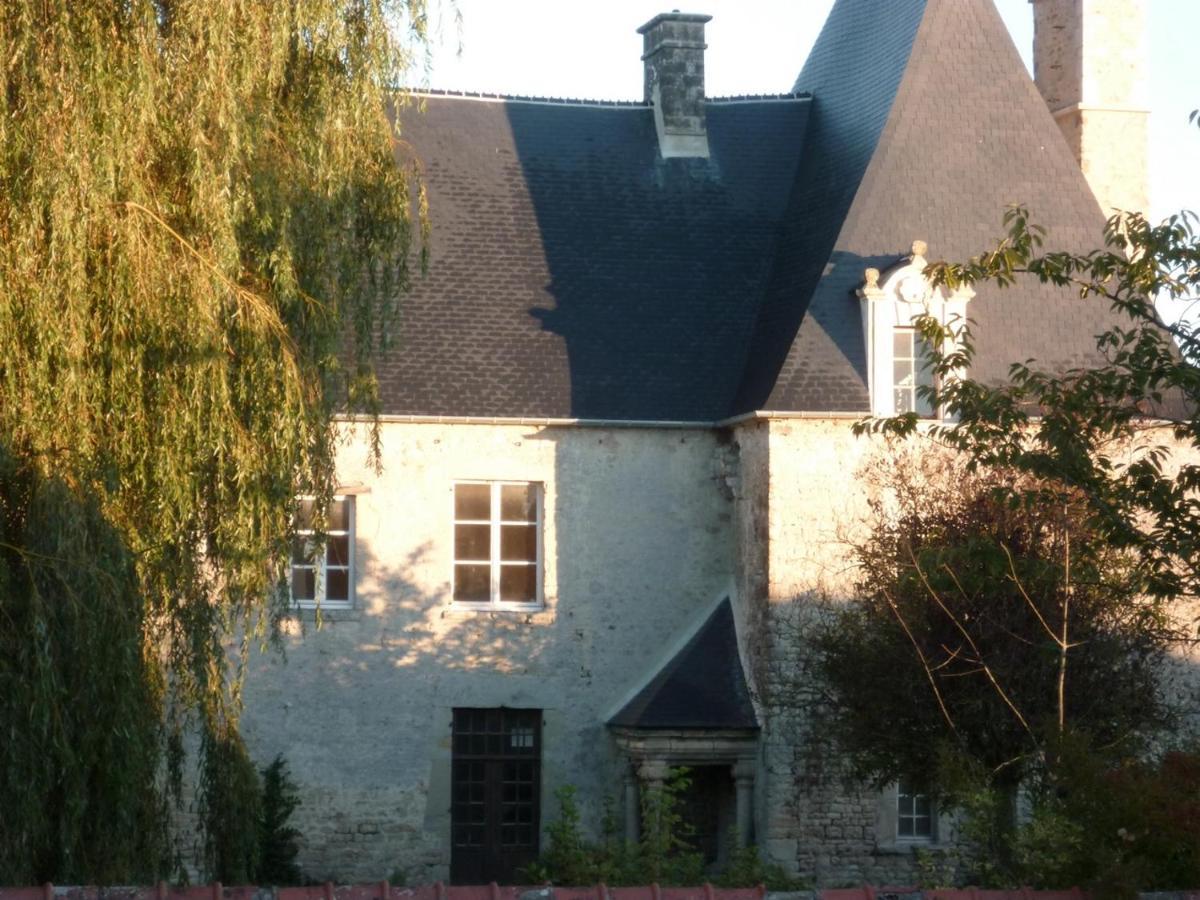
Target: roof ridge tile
column 524, row 98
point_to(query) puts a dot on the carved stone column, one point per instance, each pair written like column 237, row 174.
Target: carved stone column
column 743, row 778
column 654, row 773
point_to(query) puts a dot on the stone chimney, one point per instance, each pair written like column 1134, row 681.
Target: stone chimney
column 1089, row 62
column 673, row 57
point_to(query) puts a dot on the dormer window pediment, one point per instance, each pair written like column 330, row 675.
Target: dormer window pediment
column 891, row 304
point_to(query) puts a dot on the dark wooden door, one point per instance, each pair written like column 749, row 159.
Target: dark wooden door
column 707, row 806
column 495, row 785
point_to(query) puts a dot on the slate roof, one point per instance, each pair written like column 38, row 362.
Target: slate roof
column 925, row 125
column 577, row 274
column 703, row 686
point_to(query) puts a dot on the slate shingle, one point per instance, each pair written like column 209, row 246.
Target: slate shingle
column 575, row 273
column 964, row 135
column 703, row 686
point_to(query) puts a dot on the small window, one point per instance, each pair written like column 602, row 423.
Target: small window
column 911, row 369
column 324, row 578
column 497, row 544
column 914, row 814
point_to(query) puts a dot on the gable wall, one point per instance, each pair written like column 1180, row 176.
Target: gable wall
column 637, row 549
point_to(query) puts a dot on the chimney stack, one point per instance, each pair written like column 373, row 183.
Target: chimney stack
column 673, row 57
column 1089, row 62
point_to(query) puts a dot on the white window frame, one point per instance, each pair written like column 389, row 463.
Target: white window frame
column 929, row 838
column 916, row 342
column 943, row 825
column 320, row 566
column 894, row 300
column 494, row 521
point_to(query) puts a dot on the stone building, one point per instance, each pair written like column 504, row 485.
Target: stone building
column 616, row 438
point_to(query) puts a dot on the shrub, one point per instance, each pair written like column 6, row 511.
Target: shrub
column 568, row 859
column 246, row 815
column 276, row 837
column 1115, row 825
column 664, row 855
column 747, row 868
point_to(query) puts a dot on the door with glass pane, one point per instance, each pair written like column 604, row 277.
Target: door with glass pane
column 495, row 794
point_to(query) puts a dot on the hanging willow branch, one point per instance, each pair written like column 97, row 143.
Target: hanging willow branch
column 203, row 233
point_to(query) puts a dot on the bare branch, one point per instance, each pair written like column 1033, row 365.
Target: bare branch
column 924, row 663
column 967, row 636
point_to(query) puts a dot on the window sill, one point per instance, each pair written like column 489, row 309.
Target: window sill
column 534, row 612
column 907, row 847
column 328, row 613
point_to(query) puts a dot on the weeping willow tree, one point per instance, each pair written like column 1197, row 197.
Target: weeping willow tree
column 203, row 231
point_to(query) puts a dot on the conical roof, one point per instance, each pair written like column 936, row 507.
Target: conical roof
column 925, row 124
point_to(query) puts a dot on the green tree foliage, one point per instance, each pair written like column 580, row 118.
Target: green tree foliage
column 80, row 727
column 203, row 232
column 1117, row 826
column 1103, row 461
column 248, row 836
column 991, row 618
column 1124, row 828
column 231, row 809
column 1111, row 431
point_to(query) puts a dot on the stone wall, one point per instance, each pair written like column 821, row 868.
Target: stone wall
column 637, row 551
column 829, row 829
column 1090, row 65
column 644, row 530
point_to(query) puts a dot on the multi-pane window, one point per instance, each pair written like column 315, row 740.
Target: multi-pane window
column 325, row 576
column 496, row 543
column 911, row 369
column 914, row 814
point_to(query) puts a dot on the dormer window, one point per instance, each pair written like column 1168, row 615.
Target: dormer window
column 912, row 369
column 899, row 359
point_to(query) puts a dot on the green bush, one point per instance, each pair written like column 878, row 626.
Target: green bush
column 569, row 859
column 1114, row 825
column 747, row 868
column 249, row 838
column 664, row 855
column 231, row 804
column 1120, row 826
column 276, row 837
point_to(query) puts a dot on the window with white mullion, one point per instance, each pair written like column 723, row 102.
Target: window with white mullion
column 496, row 550
column 494, row 555
column 325, row 577
column 911, row 370
column 914, row 814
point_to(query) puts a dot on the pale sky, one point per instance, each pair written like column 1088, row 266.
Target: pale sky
column 572, row 48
